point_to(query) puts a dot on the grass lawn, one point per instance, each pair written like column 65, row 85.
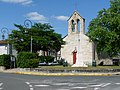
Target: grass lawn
column 78, row 68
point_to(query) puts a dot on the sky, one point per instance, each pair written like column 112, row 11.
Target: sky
column 54, row 12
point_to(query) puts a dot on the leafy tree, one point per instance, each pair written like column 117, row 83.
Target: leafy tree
column 19, row 39
column 44, row 38
column 104, row 30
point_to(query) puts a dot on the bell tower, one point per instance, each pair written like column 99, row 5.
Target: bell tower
column 77, row 50
column 76, row 24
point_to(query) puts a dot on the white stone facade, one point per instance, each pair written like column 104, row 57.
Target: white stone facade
column 3, row 49
column 76, row 40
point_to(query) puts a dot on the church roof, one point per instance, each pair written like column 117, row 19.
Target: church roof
column 74, row 13
column 65, row 36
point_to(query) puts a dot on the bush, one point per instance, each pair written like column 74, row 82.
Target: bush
column 5, row 61
column 61, row 62
column 1, row 60
column 47, row 59
column 65, row 64
column 26, row 59
column 33, row 63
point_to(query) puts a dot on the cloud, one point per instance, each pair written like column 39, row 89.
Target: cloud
column 62, row 18
column 23, row 2
column 35, row 16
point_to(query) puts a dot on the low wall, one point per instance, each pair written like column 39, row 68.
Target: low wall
column 73, row 71
column 2, row 68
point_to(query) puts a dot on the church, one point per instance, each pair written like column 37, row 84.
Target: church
column 78, row 49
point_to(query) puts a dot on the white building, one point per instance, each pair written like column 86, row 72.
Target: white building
column 6, row 48
column 78, row 49
column 3, row 47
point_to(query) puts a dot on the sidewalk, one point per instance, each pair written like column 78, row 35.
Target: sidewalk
column 22, row 71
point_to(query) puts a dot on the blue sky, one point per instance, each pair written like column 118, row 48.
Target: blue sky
column 55, row 12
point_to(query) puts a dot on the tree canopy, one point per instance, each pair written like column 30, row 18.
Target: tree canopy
column 43, row 38
column 104, row 30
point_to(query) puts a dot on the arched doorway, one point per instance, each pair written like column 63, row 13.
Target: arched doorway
column 74, row 57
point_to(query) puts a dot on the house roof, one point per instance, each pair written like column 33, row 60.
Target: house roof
column 3, row 42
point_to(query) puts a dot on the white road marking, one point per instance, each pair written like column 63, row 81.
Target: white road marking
column 1, row 84
column 96, row 85
column 63, row 89
column 41, row 85
column 105, row 84
column 34, row 82
column 30, row 85
column 96, row 88
column 27, row 83
column 31, row 89
column 117, row 83
column 79, row 87
column 61, row 83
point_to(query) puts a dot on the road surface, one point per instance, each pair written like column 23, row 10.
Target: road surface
column 30, row 82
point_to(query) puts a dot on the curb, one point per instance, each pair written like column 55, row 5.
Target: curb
column 63, row 74
column 59, row 74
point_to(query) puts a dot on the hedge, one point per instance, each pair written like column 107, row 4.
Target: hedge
column 47, row 59
column 27, row 60
column 1, row 60
column 5, row 61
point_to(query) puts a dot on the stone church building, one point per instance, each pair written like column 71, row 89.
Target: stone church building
column 78, row 49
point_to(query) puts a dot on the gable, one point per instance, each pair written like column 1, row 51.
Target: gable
column 75, row 13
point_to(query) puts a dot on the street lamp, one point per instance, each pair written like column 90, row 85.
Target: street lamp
column 28, row 24
column 5, row 30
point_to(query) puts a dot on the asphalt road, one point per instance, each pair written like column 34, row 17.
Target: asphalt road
column 30, row 82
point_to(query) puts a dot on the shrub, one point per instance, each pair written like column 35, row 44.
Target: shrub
column 5, row 61
column 33, row 63
column 65, row 64
column 1, row 60
column 46, row 59
column 25, row 59
column 61, row 62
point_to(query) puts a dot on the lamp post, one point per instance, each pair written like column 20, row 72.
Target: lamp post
column 28, row 24
column 3, row 31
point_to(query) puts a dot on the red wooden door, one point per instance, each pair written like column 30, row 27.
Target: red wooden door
column 74, row 57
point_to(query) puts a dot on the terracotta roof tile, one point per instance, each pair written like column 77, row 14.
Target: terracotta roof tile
column 3, row 42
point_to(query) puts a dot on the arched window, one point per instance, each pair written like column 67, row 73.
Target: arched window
column 73, row 25
column 78, row 22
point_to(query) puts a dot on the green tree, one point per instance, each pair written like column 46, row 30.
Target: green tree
column 44, row 38
column 104, row 30
column 20, row 39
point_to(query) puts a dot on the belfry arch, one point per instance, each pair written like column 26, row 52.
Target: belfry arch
column 76, row 23
column 78, row 27
column 73, row 25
